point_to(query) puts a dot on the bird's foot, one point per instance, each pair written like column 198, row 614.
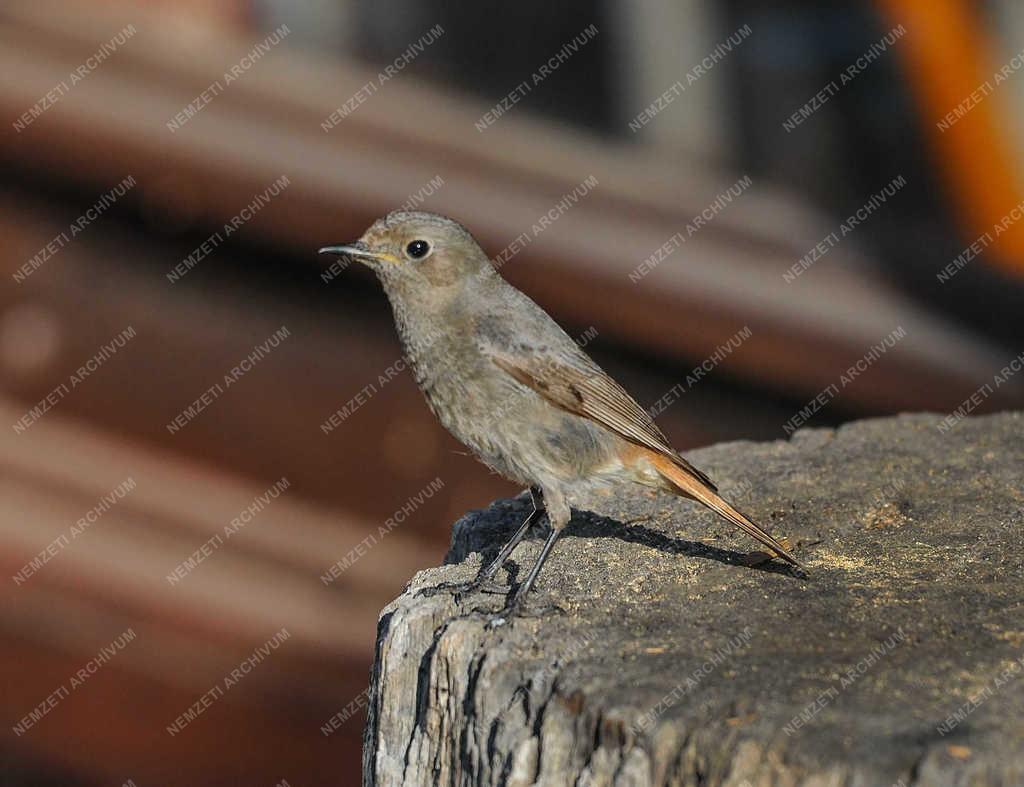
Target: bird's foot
column 504, row 616
column 460, row 590
column 517, row 609
column 478, row 585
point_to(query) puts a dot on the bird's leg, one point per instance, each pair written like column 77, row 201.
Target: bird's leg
column 487, row 572
column 524, row 588
column 520, row 595
column 559, row 514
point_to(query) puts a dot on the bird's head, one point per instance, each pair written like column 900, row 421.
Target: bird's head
column 418, row 252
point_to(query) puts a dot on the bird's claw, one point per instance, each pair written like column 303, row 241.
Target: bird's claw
column 517, row 609
column 478, row 587
column 497, row 621
column 460, row 590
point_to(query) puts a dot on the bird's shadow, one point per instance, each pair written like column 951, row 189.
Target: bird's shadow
column 587, row 524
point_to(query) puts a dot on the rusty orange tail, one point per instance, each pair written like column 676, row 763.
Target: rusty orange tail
column 691, row 486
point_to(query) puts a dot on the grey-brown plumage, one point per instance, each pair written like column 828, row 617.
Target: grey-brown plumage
column 511, row 385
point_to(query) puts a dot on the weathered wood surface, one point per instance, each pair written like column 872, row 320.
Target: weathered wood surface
column 673, row 663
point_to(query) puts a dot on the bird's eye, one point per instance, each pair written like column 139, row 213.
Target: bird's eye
column 417, row 249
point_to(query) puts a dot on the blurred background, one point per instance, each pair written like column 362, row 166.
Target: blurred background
column 215, row 463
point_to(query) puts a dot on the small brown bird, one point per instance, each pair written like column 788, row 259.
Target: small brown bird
column 509, row 383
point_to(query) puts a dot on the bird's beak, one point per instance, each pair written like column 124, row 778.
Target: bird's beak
column 358, row 250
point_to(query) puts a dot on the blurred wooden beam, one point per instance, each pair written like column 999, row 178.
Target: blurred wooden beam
column 266, row 575
column 499, row 182
column 187, row 636
column 113, row 728
column 187, row 339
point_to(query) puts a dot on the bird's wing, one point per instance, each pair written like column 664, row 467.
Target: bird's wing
column 579, row 386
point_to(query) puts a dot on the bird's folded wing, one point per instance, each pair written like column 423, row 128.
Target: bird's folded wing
column 591, row 393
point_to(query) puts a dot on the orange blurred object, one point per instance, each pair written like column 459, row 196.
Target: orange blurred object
column 948, row 61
